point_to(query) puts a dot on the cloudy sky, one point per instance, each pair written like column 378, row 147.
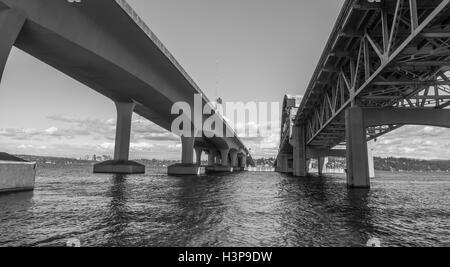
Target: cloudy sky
column 240, row 50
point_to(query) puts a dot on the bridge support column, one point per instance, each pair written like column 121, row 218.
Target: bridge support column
column 187, row 165
column 198, row 156
column 187, row 150
column 243, row 162
column 11, row 23
column 121, row 163
column 224, row 154
column 225, row 165
column 211, row 157
column 370, row 148
column 234, row 159
column 283, row 163
column 299, row 164
column 357, row 156
column 321, row 165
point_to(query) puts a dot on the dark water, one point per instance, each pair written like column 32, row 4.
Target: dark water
column 246, row 209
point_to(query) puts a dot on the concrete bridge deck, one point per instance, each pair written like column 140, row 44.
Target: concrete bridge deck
column 106, row 46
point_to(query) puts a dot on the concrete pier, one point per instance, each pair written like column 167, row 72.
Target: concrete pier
column 187, row 165
column 300, row 167
column 284, row 163
column 121, row 163
column 222, row 157
column 211, row 157
column 243, row 165
column 220, row 169
column 224, row 153
column 370, row 149
column 322, row 165
column 119, row 167
column 357, row 158
column 186, row 169
column 16, row 174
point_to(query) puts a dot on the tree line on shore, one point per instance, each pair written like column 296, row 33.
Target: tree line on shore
column 399, row 164
column 381, row 164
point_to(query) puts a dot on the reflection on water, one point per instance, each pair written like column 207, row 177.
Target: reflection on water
column 240, row 209
column 119, row 213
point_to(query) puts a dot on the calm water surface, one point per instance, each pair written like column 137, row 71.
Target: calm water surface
column 244, row 209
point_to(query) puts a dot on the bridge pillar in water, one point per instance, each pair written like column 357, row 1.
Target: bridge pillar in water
column 198, row 156
column 225, row 163
column 121, row 163
column 211, row 157
column 224, row 153
column 357, row 155
column 11, row 23
column 283, row 163
column 359, row 160
column 187, row 150
column 300, row 167
column 187, row 165
column 234, row 159
column 321, row 165
column 370, row 148
column 243, row 162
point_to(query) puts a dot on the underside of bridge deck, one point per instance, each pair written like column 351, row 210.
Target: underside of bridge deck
column 389, row 55
column 114, row 53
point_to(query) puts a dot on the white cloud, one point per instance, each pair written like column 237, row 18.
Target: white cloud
column 422, row 142
column 51, row 130
column 25, row 146
column 107, row 145
column 141, row 146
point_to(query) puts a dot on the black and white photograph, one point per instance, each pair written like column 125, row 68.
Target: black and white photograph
column 224, row 129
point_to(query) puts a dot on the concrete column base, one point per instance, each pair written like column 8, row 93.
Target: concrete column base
column 283, row 164
column 239, row 169
column 17, row 176
column 185, row 169
column 119, row 167
column 219, row 169
column 357, row 156
column 299, row 168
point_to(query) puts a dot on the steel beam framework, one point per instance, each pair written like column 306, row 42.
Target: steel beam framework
column 390, row 54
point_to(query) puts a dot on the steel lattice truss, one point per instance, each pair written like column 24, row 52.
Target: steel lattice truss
column 390, row 54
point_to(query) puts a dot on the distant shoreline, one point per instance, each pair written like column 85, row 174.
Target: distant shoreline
column 64, row 161
column 390, row 164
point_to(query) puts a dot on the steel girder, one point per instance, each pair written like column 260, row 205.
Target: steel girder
column 390, row 54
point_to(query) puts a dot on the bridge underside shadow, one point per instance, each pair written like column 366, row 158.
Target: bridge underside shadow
column 358, row 156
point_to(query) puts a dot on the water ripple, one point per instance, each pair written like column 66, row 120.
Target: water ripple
column 244, row 209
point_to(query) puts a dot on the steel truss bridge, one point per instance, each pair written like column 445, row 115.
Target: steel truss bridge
column 392, row 54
